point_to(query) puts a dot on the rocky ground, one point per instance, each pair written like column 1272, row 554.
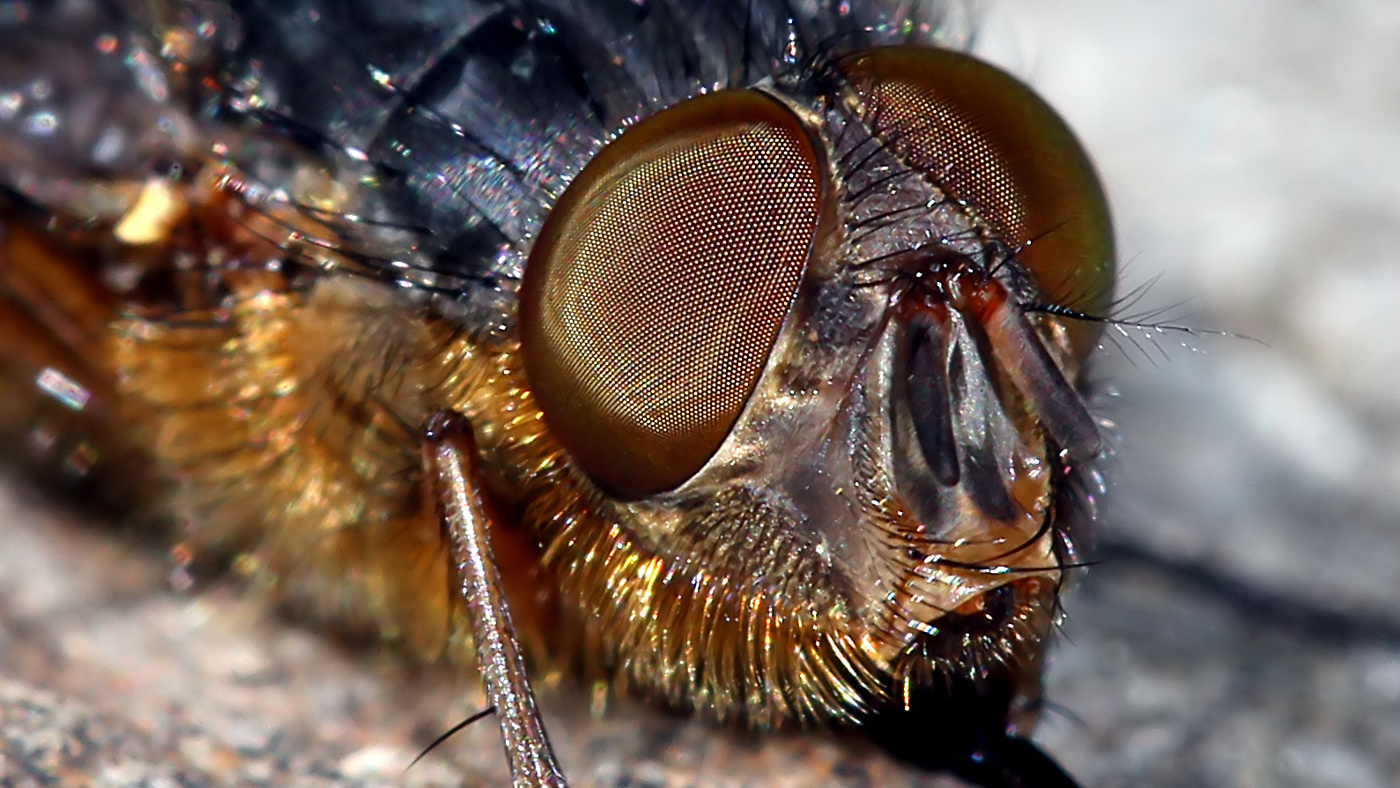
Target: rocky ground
column 1243, row 628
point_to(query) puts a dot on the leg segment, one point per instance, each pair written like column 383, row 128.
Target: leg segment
column 451, row 458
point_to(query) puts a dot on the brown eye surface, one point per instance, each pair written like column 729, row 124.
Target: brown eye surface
column 992, row 143
column 658, row 284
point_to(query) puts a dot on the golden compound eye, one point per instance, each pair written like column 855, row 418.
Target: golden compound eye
column 658, row 284
column 992, row 143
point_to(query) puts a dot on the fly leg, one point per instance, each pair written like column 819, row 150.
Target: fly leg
column 451, row 458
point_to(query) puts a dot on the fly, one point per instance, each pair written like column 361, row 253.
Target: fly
column 728, row 354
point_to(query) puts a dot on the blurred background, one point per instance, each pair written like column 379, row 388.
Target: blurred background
column 1243, row 625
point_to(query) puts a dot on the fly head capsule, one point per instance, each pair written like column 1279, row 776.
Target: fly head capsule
column 792, row 344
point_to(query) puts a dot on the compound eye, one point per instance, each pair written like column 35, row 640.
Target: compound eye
column 655, row 292
column 989, row 141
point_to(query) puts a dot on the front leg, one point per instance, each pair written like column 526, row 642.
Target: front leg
column 451, row 461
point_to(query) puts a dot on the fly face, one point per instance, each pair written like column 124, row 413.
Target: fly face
column 777, row 388
column 794, row 340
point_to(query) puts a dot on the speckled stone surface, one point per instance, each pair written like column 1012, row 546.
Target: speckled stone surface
column 1243, row 628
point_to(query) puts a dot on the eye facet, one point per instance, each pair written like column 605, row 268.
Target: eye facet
column 658, row 285
column 996, row 146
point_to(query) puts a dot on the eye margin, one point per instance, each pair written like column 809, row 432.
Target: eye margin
column 631, row 469
column 1070, row 252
